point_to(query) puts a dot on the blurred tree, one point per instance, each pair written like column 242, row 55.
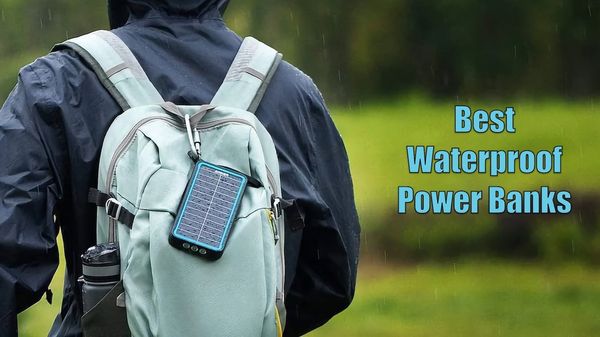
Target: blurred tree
column 360, row 50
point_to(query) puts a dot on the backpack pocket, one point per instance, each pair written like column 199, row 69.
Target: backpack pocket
column 233, row 296
column 106, row 319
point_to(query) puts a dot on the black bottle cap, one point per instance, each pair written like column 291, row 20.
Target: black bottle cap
column 102, row 263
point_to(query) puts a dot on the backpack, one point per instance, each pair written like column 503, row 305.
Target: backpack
column 145, row 166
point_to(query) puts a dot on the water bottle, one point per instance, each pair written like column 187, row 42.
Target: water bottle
column 101, row 272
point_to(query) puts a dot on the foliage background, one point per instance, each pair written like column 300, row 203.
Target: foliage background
column 392, row 71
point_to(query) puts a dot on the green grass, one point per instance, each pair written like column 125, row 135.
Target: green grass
column 472, row 299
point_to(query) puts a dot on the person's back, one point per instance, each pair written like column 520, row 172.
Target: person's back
column 51, row 131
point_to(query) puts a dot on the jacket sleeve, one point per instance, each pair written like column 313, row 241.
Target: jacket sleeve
column 325, row 275
column 29, row 193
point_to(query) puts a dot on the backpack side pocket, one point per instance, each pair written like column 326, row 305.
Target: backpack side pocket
column 106, row 319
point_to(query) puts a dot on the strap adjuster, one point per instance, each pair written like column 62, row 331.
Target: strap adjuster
column 113, row 208
column 276, row 207
column 110, row 205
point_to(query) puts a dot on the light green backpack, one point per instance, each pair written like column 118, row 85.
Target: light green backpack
column 145, row 168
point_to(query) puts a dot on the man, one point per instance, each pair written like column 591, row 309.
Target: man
column 51, row 131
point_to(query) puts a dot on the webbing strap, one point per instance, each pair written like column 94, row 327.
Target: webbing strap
column 113, row 208
column 116, row 67
column 248, row 77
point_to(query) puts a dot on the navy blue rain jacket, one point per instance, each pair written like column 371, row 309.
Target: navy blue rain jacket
column 51, row 131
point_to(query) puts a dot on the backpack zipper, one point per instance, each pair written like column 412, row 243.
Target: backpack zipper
column 201, row 126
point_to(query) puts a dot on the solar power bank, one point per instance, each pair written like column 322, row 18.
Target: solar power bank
column 207, row 210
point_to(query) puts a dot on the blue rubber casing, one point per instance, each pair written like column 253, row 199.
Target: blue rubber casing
column 213, row 192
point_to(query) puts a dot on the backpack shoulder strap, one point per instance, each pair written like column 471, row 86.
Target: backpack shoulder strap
column 248, row 77
column 116, row 67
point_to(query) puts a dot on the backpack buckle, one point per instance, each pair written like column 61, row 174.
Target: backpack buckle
column 113, row 208
column 276, row 207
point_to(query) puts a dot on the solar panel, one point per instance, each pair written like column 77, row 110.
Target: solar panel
column 208, row 210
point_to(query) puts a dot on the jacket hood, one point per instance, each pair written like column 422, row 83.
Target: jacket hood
column 119, row 11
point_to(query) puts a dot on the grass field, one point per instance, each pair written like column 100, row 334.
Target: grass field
column 480, row 298
column 472, row 299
